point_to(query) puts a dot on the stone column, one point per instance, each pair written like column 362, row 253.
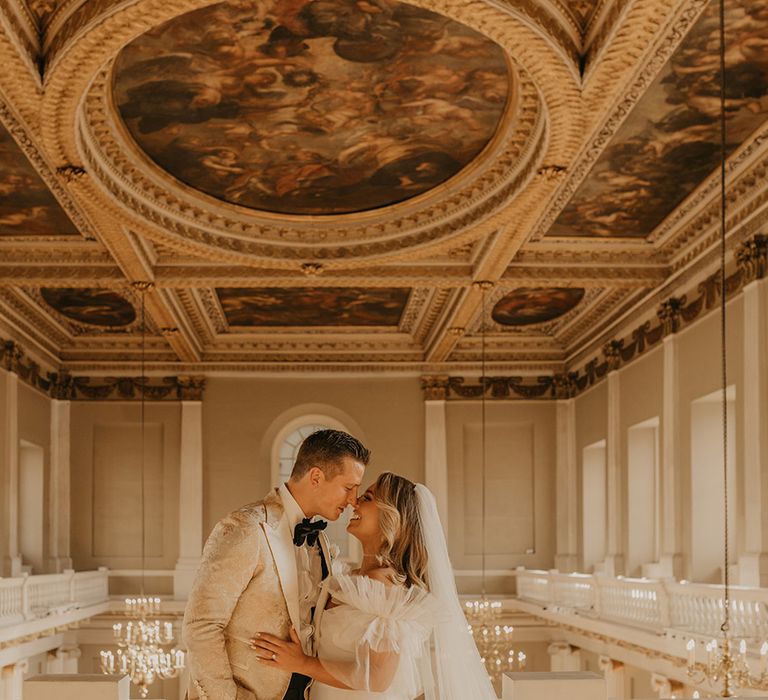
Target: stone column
column 564, row 657
column 190, row 498
column 59, row 489
column 753, row 562
column 666, row 687
column 12, row 680
column 670, row 561
column 10, row 564
column 615, row 680
column 614, row 561
column 435, row 442
column 566, row 485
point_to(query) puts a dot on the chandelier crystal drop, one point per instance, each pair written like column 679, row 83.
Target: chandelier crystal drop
column 141, row 641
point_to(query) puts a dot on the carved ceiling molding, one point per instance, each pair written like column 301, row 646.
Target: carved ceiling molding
column 608, row 307
column 194, row 223
column 441, row 298
column 635, row 88
column 585, row 276
column 19, row 50
column 23, row 310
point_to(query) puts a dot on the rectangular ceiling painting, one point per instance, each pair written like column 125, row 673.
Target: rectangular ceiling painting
column 27, row 207
column 313, row 306
column 670, row 142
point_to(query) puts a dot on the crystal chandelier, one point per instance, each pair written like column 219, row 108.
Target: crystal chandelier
column 141, row 640
column 140, row 653
column 493, row 640
column 724, row 665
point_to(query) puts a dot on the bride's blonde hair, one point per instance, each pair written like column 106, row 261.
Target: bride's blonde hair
column 402, row 546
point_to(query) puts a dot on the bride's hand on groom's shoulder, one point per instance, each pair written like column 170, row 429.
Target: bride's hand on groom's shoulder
column 286, row 655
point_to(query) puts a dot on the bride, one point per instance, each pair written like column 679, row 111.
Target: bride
column 394, row 629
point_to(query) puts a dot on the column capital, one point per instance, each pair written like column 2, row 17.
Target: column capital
column 752, row 258
column 435, row 387
column 606, row 663
column 670, row 313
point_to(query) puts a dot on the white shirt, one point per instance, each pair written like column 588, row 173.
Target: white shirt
column 309, row 570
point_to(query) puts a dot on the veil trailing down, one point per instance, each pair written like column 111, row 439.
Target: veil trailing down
column 459, row 673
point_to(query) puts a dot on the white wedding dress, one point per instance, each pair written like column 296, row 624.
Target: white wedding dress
column 375, row 639
column 395, row 643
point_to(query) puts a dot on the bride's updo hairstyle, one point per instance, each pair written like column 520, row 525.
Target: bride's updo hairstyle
column 402, row 546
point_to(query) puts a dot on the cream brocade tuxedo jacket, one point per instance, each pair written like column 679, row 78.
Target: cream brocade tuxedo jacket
column 247, row 583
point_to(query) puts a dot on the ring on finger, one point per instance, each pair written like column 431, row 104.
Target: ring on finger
column 274, row 657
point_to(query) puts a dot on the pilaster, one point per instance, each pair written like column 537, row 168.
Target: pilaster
column 190, row 498
column 614, row 562
column 10, row 564
column 59, row 488
column 566, row 482
column 435, row 443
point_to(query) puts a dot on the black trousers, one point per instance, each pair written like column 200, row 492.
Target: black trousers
column 296, row 687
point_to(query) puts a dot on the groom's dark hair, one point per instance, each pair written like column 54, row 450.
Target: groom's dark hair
column 325, row 449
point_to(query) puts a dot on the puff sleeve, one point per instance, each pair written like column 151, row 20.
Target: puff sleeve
column 387, row 626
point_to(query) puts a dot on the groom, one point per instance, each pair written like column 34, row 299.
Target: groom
column 262, row 569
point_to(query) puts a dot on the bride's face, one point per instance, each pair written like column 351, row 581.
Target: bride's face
column 364, row 523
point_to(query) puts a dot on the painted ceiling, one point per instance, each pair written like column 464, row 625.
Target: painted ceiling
column 527, row 306
column 308, row 306
column 671, row 141
column 312, row 107
column 97, row 307
column 332, row 184
column 27, row 207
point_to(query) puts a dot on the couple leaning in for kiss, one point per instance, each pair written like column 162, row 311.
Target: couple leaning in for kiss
column 272, row 615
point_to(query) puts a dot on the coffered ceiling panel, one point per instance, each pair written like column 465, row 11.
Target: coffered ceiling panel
column 309, row 307
column 670, row 142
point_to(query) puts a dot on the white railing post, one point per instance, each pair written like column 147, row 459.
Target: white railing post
column 70, row 573
column 25, row 607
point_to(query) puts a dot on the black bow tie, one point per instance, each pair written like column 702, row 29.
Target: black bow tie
column 307, row 531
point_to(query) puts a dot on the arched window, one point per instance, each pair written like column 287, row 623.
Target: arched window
column 284, row 451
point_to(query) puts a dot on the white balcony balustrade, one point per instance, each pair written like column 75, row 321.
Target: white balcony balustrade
column 34, row 599
column 652, row 605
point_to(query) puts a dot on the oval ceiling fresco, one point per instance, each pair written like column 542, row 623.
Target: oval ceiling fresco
column 99, row 307
column 526, row 306
column 312, row 106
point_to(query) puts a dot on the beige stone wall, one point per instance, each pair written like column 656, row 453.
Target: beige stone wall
column 242, row 418
column 106, row 485
column 641, row 399
column 520, row 469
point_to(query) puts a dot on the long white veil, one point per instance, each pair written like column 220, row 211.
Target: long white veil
column 458, row 671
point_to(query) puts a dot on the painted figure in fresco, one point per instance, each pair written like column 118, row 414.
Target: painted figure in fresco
column 267, row 565
column 312, row 106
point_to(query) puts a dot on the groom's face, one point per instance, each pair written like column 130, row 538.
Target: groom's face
column 334, row 494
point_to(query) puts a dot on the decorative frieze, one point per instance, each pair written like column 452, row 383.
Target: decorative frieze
column 66, row 387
